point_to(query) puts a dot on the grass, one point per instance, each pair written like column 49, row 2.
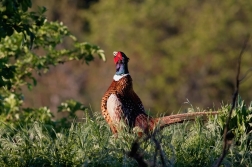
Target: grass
column 90, row 143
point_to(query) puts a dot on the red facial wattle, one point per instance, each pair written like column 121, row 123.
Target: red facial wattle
column 118, row 57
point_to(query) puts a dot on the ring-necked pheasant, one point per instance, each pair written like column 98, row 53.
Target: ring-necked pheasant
column 120, row 102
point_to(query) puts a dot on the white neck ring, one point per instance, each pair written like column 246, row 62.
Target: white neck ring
column 118, row 77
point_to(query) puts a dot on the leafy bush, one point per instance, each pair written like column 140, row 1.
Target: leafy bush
column 30, row 44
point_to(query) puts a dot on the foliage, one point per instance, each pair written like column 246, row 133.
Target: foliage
column 240, row 123
column 15, row 17
column 20, row 59
column 90, row 143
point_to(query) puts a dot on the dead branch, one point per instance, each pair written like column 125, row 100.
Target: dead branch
column 136, row 155
column 227, row 143
column 134, row 152
column 245, row 75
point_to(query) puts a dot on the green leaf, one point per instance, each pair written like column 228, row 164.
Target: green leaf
column 32, row 37
column 34, row 81
column 101, row 55
column 9, row 31
column 42, row 9
column 29, row 3
column 24, row 6
column 29, row 86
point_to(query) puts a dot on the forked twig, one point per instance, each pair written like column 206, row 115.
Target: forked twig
column 246, row 74
column 136, row 155
column 134, row 152
column 226, row 141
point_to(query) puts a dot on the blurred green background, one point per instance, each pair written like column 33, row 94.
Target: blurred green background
column 178, row 50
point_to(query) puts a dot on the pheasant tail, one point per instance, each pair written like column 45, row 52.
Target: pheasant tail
column 179, row 118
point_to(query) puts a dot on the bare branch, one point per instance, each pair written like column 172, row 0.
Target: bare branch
column 245, row 75
column 158, row 148
column 227, row 143
column 136, row 155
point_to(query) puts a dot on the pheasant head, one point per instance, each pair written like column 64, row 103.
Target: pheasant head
column 121, row 61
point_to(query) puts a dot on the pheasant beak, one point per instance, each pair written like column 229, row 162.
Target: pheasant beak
column 117, row 57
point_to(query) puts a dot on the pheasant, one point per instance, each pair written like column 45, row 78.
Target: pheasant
column 121, row 103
